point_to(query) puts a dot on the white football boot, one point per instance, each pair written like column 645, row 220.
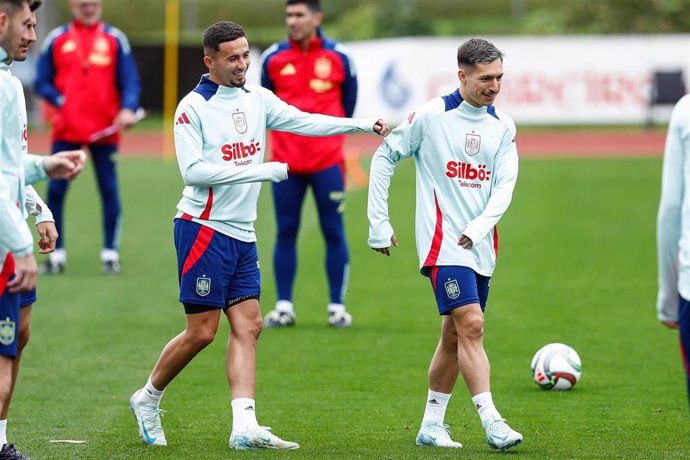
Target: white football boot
column 500, row 436
column 148, row 421
column 435, row 434
column 258, row 437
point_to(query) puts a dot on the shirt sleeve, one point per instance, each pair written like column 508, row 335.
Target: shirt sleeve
column 284, row 117
column 669, row 218
column 126, row 73
column 45, row 73
column 349, row 87
column 504, row 179
column 402, row 143
column 33, row 168
column 197, row 172
column 35, row 206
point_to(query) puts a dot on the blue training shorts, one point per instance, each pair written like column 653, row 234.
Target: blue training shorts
column 9, row 311
column 457, row 286
column 214, row 269
column 27, row 298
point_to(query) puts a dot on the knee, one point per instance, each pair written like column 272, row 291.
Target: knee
column 472, row 326
column 250, row 330
column 57, row 190
column 334, row 234
column 201, row 338
column 287, row 231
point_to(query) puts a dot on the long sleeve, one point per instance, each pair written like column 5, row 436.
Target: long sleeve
column 45, row 73
column 284, row 117
column 399, row 145
column 35, row 206
column 676, row 168
column 505, row 177
column 197, row 172
column 127, row 75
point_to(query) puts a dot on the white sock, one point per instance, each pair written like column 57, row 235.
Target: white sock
column 150, row 395
column 243, row 414
column 336, row 307
column 285, row 306
column 3, row 432
column 436, row 404
column 59, row 256
column 110, row 255
column 485, row 407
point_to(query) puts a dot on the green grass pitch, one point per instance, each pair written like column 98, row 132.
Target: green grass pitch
column 576, row 265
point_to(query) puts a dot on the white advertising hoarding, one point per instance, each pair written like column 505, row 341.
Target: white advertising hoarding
column 548, row 80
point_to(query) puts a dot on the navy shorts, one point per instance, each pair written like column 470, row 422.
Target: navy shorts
column 457, row 286
column 214, row 269
column 9, row 311
column 27, row 298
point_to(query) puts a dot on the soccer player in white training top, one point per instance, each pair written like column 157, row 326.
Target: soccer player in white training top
column 467, row 163
column 220, row 141
column 673, row 231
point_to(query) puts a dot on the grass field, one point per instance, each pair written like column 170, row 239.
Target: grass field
column 576, row 265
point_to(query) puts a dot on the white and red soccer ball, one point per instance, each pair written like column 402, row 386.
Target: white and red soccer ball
column 556, row 366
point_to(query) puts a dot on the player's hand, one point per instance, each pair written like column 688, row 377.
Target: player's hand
column 465, row 242
column 670, row 324
column 25, row 271
column 65, row 165
column 126, row 118
column 381, row 128
column 387, row 251
column 47, row 237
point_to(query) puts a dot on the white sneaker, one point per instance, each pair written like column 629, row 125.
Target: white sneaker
column 339, row 319
column 435, row 434
column 275, row 318
column 148, row 421
column 500, row 436
column 258, row 437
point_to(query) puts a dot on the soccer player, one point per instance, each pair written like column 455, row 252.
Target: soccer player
column 87, row 72
column 220, row 140
column 467, row 164
column 17, row 264
column 45, row 226
column 673, row 231
column 316, row 75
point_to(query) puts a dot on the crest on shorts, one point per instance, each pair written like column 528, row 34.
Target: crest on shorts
column 452, row 289
column 203, row 286
column 472, row 143
column 7, row 331
column 322, row 67
column 240, row 122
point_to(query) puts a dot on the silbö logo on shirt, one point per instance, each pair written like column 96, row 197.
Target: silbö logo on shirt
column 240, row 151
column 466, row 172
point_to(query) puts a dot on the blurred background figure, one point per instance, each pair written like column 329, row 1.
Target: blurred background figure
column 673, row 231
column 86, row 72
column 316, row 75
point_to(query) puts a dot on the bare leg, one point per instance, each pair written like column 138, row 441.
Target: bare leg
column 444, row 367
column 24, row 333
column 5, row 380
column 245, row 328
column 200, row 331
column 472, row 359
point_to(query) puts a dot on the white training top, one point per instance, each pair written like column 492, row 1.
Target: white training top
column 17, row 169
column 467, row 166
column 220, row 140
column 673, row 222
column 15, row 235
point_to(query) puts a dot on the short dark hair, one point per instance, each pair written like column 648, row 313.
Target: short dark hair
column 221, row 32
column 477, row 51
column 35, row 4
column 11, row 6
column 313, row 5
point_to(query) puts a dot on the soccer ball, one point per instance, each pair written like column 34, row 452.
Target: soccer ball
column 556, row 366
